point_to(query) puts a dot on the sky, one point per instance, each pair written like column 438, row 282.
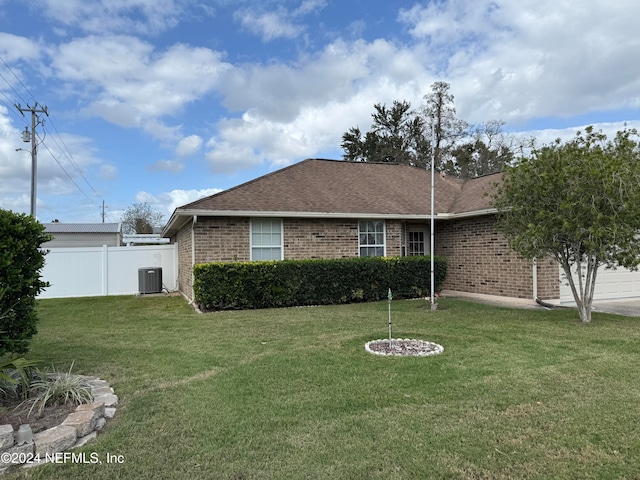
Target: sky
column 167, row 101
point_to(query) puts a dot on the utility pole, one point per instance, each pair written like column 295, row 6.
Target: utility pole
column 34, row 148
column 102, row 211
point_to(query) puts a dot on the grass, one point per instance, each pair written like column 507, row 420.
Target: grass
column 292, row 394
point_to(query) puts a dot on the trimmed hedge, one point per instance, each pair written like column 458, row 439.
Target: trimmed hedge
column 287, row 283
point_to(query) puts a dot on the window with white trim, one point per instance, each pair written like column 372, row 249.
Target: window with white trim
column 266, row 239
column 371, row 238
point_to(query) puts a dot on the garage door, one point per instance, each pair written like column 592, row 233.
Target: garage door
column 620, row 283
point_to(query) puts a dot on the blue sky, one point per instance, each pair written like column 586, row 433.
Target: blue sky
column 166, row 101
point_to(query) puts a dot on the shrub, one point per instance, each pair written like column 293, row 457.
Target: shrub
column 243, row 285
column 21, row 260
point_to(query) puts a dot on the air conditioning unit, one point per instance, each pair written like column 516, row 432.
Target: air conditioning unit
column 150, row 280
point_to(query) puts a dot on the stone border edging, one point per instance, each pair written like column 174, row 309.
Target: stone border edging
column 80, row 427
column 417, row 348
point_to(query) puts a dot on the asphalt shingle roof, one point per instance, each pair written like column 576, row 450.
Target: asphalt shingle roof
column 334, row 186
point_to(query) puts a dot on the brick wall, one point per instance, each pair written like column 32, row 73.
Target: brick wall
column 331, row 238
column 548, row 279
column 320, row 238
column 480, row 261
column 217, row 239
column 395, row 237
column 185, row 270
column 222, row 239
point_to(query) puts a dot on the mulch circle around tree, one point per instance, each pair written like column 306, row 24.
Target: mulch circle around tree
column 403, row 347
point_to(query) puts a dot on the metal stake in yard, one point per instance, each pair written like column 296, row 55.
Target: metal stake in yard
column 390, row 297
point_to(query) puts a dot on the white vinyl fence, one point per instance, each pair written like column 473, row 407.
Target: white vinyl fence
column 100, row 271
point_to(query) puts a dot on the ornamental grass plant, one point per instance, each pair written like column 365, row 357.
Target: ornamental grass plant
column 291, row 393
column 56, row 389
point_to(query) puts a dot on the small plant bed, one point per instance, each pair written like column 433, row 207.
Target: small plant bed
column 13, row 413
column 403, row 347
column 41, row 399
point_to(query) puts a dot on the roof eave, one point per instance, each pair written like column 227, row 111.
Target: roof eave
column 474, row 213
column 177, row 221
column 181, row 216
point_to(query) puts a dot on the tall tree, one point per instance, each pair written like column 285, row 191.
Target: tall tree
column 579, row 202
column 443, row 124
column 397, row 135
column 140, row 218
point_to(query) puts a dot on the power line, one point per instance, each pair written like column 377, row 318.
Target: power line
column 67, row 153
column 17, row 78
column 10, row 85
column 10, row 108
column 65, row 171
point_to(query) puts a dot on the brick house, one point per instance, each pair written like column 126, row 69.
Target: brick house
column 336, row 209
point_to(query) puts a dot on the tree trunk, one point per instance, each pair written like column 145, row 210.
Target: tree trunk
column 585, row 312
column 583, row 292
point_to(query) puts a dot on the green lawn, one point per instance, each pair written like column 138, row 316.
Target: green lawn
column 292, row 393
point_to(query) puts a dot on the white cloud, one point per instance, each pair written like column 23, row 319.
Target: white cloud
column 98, row 16
column 271, row 22
column 229, row 156
column 292, row 112
column 269, row 25
column 17, row 49
column 15, row 167
column 188, row 146
column 17, row 203
column 516, row 61
column 135, row 85
column 108, row 172
column 174, row 166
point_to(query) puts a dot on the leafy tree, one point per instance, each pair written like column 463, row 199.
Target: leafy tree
column 140, row 218
column 488, row 151
column 579, row 202
column 401, row 135
column 21, row 260
column 397, row 135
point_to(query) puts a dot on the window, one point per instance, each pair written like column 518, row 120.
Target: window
column 266, row 239
column 371, row 238
column 417, row 241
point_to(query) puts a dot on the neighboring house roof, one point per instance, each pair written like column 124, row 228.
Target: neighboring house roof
column 336, row 188
column 59, row 227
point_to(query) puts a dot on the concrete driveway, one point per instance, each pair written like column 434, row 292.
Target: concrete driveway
column 629, row 307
